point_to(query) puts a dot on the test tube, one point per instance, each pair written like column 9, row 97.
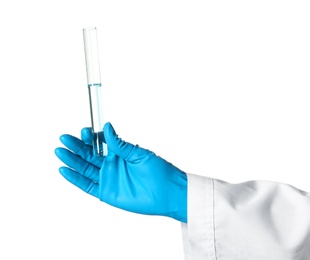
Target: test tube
column 94, row 89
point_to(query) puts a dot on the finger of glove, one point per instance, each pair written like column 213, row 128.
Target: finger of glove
column 87, row 135
column 80, row 181
column 78, row 164
column 78, row 147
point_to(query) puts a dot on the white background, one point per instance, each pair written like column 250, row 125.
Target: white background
column 218, row 88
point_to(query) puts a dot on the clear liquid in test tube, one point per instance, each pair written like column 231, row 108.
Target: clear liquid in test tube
column 94, row 89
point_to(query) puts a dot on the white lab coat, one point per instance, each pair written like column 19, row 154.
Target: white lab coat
column 253, row 220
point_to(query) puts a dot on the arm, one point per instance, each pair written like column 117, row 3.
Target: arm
column 251, row 220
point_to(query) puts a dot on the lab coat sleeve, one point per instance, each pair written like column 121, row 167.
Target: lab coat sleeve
column 254, row 220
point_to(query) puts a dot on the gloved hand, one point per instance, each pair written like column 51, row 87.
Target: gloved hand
column 129, row 177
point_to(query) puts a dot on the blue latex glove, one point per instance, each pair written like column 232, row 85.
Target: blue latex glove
column 129, row 177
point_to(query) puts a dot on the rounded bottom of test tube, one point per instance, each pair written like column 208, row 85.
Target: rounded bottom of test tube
column 99, row 146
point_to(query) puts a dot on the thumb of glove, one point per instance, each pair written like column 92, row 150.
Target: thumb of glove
column 116, row 144
column 127, row 151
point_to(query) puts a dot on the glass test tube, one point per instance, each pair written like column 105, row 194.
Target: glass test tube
column 94, row 89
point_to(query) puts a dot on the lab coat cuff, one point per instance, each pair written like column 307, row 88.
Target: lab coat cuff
column 198, row 233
